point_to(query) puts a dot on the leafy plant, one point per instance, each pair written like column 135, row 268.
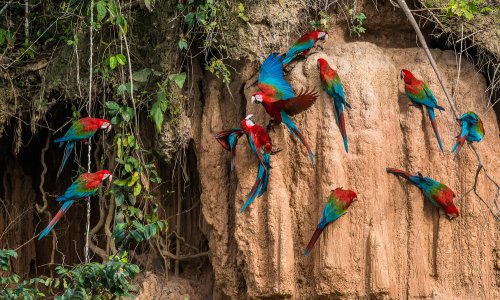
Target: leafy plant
column 241, row 12
column 219, row 69
column 357, row 20
column 322, row 23
column 10, row 287
column 466, row 8
column 98, row 281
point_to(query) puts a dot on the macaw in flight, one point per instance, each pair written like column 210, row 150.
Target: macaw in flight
column 303, row 45
column 420, row 94
column 84, row 186
column 330, row 82
column 437, row 193
column 472, row 131
column 81, row 130
column 279, row 100
column 336, row 206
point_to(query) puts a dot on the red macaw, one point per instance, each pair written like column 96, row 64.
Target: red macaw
column 336, row 206
column 303, row 45
column 279, row 100
column 84, row 186
column 420, row 94
column 330, row 81
column 81, row 130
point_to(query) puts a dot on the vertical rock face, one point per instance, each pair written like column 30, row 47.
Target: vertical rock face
column 392, row 244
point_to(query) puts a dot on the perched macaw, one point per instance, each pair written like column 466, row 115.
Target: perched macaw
column 81, row 130
column 336, row 206
column 330, row 82
column 472, row 130
column 303, row 45
column 420, row 94
column 439, row 194
column 261, row 146
column 279, row 100
column 229, row 139
column 84, row 186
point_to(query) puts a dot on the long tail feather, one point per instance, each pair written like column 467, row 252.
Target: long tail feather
column 313, row 240
column 257, row 186
column 399, row 172
column 343, row 131
column 430, row 111
column 265, row 179
column 458, row 145
column 56, row 219
column 295, row 131
column 67, row 153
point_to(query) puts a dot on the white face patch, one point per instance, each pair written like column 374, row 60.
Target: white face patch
column 249, row 123
column 322, row 35
column 257, row 98
column 105, row 125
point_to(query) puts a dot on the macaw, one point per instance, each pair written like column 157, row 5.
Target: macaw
column 472, row 130
column 420, row 94
column 84, row 186
column 303, row 45
column 228, row 140
column 336, row 206
column 330, row 82
column 437, row 193
column 81, row 130
column 261, row 146
column 279, row 100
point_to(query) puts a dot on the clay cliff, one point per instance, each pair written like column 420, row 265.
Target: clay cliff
column 392, row 244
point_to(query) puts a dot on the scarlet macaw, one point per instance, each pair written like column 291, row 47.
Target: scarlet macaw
column 437, row 193
column 336, row 206
column 279, row 100
column 81, row 130
column 84, row 186
column 420, row 94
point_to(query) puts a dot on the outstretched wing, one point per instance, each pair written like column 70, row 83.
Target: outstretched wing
column 271, row 79
column 227, row 137
column 300, row 103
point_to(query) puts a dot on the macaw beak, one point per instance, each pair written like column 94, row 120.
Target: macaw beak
column 401, row 75
column 110, row 179
column 253, row 99
column 249, row 117
column 108, row 130
column 326, row 37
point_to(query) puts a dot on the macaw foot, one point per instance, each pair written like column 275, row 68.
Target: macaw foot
column 270, row 126
column 276, row 150
column 320, row 47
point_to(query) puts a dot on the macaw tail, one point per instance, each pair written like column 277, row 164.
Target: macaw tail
column 400, row 173
column 67, row 153
column 56, row 219
column 260, row 184
column 296, row 132
column 458, row 145
column 265, row 179
column 341, row 122
column 430, row 111
column 313, row 240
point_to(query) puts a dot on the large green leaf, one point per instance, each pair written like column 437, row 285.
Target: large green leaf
column 101, row 10
column 179, row 79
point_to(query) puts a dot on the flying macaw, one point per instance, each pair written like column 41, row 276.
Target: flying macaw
column 420, row 94
column 84, row 186
column 303, row 45
column 437, row 193
column 279, row 100
column 228, row 140
column 330, row 82
column 472, row 130
column 336, row 206
column 81, row 130
column 261, row 146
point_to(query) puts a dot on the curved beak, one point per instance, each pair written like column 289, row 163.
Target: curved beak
column 108, row 130
column 401, row 75
column 253, row 99
column 326, row 37
column 110, row 179
column 249, row 117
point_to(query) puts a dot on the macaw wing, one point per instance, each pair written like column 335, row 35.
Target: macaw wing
column 271, row 78
column 299, row 47
column 338, row 88
column 76, row 191
column 227, row 138
column 300, row 103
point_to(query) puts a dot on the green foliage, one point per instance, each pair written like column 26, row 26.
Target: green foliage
column 114, row 60
column 98, row 281
column 10, row 287
column 139, row 230
column 121, row 114
column 203, row 21
column 241, row 12
column 219, row 69
column 322, row 23
column 466, row 8
column 357, row 19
